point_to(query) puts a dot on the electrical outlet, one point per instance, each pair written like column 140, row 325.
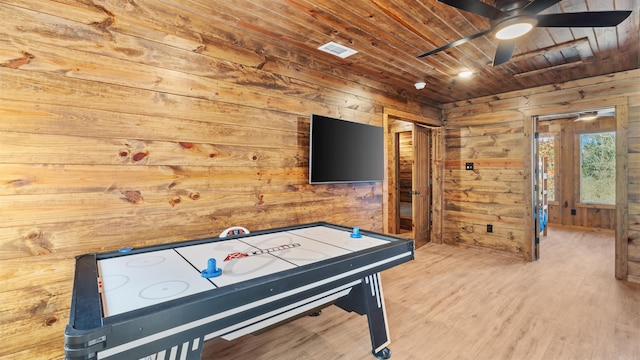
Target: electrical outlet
column 468, row 166
column 573, row 212
column 489, row 228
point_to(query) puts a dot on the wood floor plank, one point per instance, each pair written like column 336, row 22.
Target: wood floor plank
column 460, row 303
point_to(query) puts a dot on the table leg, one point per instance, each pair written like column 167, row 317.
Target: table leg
column 367, row 299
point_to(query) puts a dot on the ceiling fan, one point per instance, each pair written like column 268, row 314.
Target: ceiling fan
column 510, row 19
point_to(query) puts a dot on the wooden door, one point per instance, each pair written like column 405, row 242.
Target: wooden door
column 421, row 204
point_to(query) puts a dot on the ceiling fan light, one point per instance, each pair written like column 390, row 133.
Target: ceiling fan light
column 514, row 27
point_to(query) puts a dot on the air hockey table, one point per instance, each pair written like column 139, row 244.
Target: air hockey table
column 165, row 301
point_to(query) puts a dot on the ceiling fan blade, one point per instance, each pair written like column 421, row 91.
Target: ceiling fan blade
column 504, row 51
column 475, row 6
column 455, row 43
column 538, row 5
column 583, row 19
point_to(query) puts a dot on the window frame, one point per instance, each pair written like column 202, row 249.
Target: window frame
column 578, row 195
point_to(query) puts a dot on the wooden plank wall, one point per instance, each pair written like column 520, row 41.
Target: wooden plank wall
column 127, row 124
column 565, row 133
column 490, row 132
column 491, row 193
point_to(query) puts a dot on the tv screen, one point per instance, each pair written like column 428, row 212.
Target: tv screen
column 343, row 151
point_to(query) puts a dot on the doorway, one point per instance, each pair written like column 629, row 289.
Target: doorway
column 404, row 169
column 412, row 188
column 412, row 154
column 571, row 185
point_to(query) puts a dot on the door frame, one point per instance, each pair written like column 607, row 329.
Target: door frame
column 621, row 220
column 390, row 182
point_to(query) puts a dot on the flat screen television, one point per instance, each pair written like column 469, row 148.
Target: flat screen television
column 344, row 151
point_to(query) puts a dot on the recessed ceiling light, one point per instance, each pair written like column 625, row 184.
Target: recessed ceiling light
column 465, row 73
column 337, row 49
column 420, row 85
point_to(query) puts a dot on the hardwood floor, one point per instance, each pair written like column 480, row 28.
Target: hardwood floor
column 459, row 303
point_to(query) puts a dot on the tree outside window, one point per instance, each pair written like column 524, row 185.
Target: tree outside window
column 598, row 168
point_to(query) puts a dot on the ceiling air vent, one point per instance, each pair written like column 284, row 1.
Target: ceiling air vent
column 337, row 49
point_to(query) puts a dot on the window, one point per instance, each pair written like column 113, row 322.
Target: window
column 598, row 168
column 546, row 148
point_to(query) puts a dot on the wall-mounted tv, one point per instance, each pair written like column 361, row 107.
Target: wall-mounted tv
column 344, row 151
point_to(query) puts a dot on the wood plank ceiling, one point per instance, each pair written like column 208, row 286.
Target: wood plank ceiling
column 389, row 34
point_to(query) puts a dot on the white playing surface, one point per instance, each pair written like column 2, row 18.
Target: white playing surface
column 136, row 281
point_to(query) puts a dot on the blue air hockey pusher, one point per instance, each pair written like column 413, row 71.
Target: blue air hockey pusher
column 165, row 301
